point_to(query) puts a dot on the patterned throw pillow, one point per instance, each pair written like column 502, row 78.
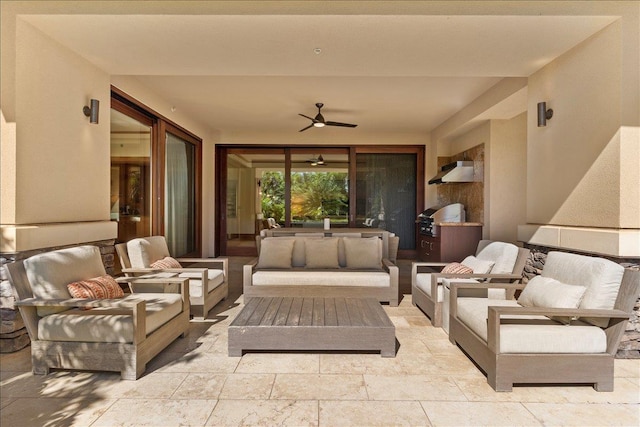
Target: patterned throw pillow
column 456, row 268
column 97, row 288
column 166, row 262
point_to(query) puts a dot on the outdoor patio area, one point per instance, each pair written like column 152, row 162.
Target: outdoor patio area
column 194, row 382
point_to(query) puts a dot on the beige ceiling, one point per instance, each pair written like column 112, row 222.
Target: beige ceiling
column 389, row 72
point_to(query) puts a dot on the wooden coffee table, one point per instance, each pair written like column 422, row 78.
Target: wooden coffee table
column 311, row 323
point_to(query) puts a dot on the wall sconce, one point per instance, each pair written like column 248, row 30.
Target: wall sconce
column 543, row 114
column 93, row 111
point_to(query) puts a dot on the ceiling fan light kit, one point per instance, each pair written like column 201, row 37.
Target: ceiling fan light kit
column 318, row 121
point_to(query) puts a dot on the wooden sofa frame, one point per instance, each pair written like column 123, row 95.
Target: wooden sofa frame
column 430, row 305
column 505, row 369
column 130, row 359
column 207, row 301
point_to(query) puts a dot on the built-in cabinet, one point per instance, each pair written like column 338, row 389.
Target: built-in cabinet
column 452, row 242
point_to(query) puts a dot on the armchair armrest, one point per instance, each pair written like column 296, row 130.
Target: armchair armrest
column 155, row 282
column 455, row 287
column 419, row 266
column 79, row 302
column 495, row 314
column 247, row 272
column 224, row 263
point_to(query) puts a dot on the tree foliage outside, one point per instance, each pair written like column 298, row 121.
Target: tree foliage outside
column 314, row 195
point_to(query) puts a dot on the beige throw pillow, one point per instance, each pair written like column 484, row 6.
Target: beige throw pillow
column 322, row 253
column 275, row 253
column 363, row 253
column 478, row 266
column 550, row 293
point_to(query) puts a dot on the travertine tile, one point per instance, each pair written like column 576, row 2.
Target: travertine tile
column 59, row 384
column 20, row 361
column 412, row 387
column 248, row 386
column 200, row 386
column 478, row 413
column 370, row 413
column 629, row 368
column 4, row 401
column 265, row 413
column 201, row 362
column 54, row 411
column 585, row 414
column 156, row 412
column 359, row 364
column 399, row 321
column 279, row 363
column 317, row 387
column 157, row 386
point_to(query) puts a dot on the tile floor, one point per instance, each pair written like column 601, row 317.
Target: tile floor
column 194, row 382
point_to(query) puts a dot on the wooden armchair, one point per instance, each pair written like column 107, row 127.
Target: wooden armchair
column 551, row 334
column 120, row 334
column 143, row 257
column 428, row 292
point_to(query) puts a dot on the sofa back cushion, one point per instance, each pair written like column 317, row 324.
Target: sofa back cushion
column 321, row 253
column 502, row 254
column 276, row 252
column 600, row 276
column 144, row 251
column 363, row 253
column 50, row 273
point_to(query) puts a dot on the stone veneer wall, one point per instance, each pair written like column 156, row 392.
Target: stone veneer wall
column 13, row 334
column 630, row 344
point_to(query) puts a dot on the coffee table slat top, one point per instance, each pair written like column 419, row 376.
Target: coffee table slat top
column 318, row 311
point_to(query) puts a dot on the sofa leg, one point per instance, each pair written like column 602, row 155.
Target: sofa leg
column 501, row 384
column 604, row 385
column 393, row 303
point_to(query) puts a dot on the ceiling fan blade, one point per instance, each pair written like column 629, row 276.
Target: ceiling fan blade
column 347, row 125
column 307, row 117
column 303, row 129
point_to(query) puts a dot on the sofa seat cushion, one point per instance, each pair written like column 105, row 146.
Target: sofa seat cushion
column 543, row 336
column 216, row 278
column 113, row 326
column 321, row 278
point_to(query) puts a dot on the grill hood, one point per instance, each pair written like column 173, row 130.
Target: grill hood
column 461, row 171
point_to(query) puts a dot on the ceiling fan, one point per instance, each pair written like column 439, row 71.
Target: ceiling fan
column 317, row 161
column 319, row 121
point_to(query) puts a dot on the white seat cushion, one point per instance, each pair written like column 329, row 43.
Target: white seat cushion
column 216, row 278
column 545, row 336
column 321, row 278
column 113, row 326
column 423, row 282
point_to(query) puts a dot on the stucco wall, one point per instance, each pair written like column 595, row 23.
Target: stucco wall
column 574, row 162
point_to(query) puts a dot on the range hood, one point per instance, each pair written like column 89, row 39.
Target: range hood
column 461, row 171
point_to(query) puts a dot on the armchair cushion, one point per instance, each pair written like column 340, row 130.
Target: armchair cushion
column 542, row 336
column 322, row 253
column 215, row 279
column 97, row 288
column 144, row 251
column 502, row 254
column 51, row 272
column 108, row 324
column 548, row 292
column 166, row 262
column 275, row 253
column 600, row 276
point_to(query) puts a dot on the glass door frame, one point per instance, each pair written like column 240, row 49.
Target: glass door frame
column 221, row 181
column 128, row 105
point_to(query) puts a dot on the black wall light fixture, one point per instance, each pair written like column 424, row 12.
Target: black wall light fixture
column 543, row 114
column 93, row 111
